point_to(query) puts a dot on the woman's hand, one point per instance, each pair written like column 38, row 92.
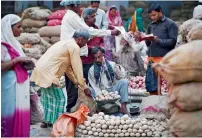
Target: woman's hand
column 21, row 60
column 111, row 27
column 87, row 92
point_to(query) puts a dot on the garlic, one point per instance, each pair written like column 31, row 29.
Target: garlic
column 116, row 135
column 121, row 134
column 116, row 127
column 126, row 134
column 123, row 131
column 109, row 131
column 111, row 127
column 99, row 130
column 112, row 122
column 82, row 126
column 106, row 135
column 140, row 131
column 90, row 132
column 101, row 134
column 143, row 135
column 128, row 121
column 149, row 134
column 118, row 130
column 120, row 126
column 85, row 131
column 94, row 129
column 97, row 121
column 87, row 123
column 130, row 125
column 117, row 122
column 136, row 126
column 98, row 126
column 95, row 134
column 132, row 134
column 122, row 122
column 130, row 130
column 144, row 127
column 133, row 121
column 137, row 134
column 101, row 114
column 106, row 117
column 95, row 115
column 113, row 131
column 102, row 122
column 134, row 130
column 92, row 125
column 125, row 117
column 88, row 128
column 104, row 130
column 125, row 127
column 104, row 126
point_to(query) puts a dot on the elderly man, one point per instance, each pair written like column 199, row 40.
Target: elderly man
column 70, row 23
column 101, row 18
column 62, row 57
column 107, row 75
column 89, row 18
column 197, row 13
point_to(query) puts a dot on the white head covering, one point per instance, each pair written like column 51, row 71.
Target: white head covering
column 7, row 33
column 200, row 1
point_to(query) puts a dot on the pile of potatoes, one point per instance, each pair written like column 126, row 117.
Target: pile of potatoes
column 101, row 125
column 105, row 96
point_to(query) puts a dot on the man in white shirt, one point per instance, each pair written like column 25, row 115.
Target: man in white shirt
column 197, row 14
column 101, row 18
column 72, row 22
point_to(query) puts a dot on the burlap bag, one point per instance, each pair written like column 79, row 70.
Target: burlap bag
column 182, row 64
column 54, row 39
column 195, row 33
column 33, row 23
column 186, row 124
column 186, row 97
column 50, row 31
column 27, row 38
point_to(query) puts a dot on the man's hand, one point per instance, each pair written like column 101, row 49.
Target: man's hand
column 111, row 27
column 87, row 92
column 115, row 32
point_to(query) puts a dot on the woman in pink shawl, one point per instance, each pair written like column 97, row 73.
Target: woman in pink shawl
column 114, row 19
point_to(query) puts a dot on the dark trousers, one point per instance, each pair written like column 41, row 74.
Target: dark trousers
column 72, row 91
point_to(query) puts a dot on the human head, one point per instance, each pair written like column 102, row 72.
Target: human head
column 98, row 53
column 81, row 37
column 113, row 11
column 155, row 12
column 95, row 4
column 74, row 5
column 89, row 16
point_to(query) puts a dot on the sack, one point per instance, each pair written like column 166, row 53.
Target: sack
column 59, row 14
column 54, row 22
column 151, row 79
column 27, row 38
column 54, row 40
column 33, row 23
column 176, row 68
column 50, row 31
column 195, row 33
column 186, row 97
column 36, row 111
column 155, row 107
column 27, row 11
column 31, row 30
column 85, row 100
column 47, row 39
column 41, row 14
column 186, row 124
column 65, row 125
column 109, row 108
column 187, row 26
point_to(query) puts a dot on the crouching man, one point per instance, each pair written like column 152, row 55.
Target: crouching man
column 107, row 75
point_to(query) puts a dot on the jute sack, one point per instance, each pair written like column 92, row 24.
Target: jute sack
column 54, row 39
column 186, row 124
column 41, row 14
column 33, row 23
column 85, row 100
column 195, row 33
column 182, row 64
column 50, row 31
column 31, row 30
column 27, row 38
column 186, row 97
column 47, row 39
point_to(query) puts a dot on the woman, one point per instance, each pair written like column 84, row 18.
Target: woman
column 114, row 19
column 15, row 101
column 136, row 21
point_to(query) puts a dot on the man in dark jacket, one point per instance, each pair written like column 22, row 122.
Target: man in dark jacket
column 165, row 33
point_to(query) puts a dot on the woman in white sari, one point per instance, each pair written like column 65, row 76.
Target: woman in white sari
column 15, row 101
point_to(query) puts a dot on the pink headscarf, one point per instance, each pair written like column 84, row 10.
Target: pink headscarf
column 115, row 21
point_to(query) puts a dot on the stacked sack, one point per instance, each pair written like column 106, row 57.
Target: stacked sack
column 51, row 32
column 33, row 46
column 34, row 18
column 191, row 30
column 182, row 68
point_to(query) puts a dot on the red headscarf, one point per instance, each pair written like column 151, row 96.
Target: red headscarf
column 114, row 21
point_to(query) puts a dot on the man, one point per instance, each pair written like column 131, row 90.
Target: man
column 130, row 58
column 101, row 18
column 70, row 23
column 165, row 31
column 198, row 10
column 89, row 17
column 62, row 57
column 103, row 75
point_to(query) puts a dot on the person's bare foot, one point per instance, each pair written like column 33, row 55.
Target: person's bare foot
column 44, row 125
column 124, row 109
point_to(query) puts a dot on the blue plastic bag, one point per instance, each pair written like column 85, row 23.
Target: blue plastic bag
column 151, row 79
